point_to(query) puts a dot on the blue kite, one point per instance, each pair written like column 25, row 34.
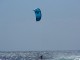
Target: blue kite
column 38, row 14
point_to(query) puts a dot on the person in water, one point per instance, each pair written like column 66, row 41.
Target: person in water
column 41, row 57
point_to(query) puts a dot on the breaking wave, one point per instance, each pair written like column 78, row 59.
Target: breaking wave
column 35, row 55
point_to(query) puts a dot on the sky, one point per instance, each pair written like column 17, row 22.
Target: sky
column 59, row 28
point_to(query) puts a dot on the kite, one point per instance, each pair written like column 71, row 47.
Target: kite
column 38, row 14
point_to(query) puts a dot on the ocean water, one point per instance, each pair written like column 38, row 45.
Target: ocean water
column 36, row 55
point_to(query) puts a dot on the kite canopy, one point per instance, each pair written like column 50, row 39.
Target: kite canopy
column 38, row 14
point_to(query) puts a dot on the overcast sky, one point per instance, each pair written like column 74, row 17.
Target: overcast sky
column 59, row 28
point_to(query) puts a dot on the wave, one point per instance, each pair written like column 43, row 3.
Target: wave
column 35, row 55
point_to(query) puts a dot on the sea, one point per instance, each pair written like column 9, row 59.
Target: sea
column 40, row 55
